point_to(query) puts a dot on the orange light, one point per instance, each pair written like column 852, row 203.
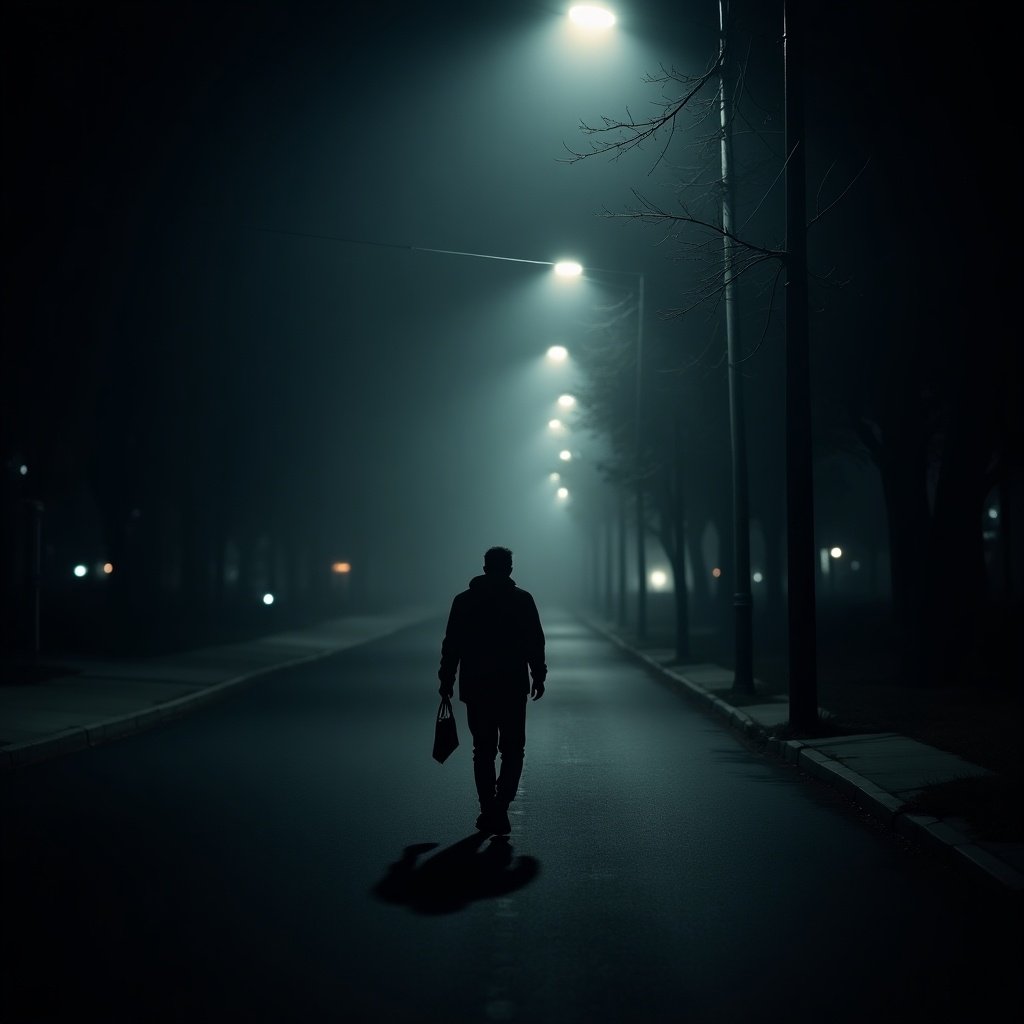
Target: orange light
column 716, row 572
column 341, row 567
column 108, row 568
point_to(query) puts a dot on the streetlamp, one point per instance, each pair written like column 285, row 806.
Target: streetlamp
column 743, row 672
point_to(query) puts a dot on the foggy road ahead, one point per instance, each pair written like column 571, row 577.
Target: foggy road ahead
column 294, row 854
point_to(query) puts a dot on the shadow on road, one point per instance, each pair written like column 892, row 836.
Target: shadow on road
column 455, row 877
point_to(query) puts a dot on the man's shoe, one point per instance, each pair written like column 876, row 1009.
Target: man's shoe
column 500, row 825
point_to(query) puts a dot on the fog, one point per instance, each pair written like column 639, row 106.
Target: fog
column 282, row 290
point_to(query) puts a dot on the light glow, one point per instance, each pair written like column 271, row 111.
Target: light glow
column 555, row 425
column 565, row 455
column 563, row 493
column 836, row 552
column 79, row 570
column 716, row 572
column 341, row 568
column 554, row 477
column 268, row 599
column 590, row 16
column 566, row 401
column 558, row 353
column 568, row 268
column 757, row 577
column 659, row 578
column 108, row 568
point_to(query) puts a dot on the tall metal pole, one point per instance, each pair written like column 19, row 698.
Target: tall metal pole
column 803, row 683
column 743, row 674
column 641, row 518
column 622, row 557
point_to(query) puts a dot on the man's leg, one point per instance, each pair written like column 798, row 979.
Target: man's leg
column 512, row 744
column 483, row 725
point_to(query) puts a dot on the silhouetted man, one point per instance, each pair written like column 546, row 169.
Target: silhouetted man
column 495, row 642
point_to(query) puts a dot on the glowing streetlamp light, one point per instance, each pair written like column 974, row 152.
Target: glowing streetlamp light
column 836, row 552
column 558, row 353
column 565, row 455
column 554, row 477
column 556, row 425
column 568, row 268
column 563, row 493
column 591, row 16
column 566, row 401
column 659, row 578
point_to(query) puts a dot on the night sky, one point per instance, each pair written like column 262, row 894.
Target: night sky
column 166, row 163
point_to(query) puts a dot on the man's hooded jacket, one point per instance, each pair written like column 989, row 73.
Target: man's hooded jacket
column 493, row 637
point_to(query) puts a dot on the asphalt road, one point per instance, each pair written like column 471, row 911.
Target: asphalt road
column 292, row 853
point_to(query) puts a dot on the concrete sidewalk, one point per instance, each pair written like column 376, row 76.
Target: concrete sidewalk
column 878, row 771
column 97, row 700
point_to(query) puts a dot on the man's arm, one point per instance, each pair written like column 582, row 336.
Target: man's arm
column 451, row 652
column 535, row 651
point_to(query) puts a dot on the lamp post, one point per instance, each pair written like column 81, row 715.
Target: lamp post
column 803, row 683
column 743, row 672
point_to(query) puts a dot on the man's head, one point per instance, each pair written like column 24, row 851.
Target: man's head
column 498, row 562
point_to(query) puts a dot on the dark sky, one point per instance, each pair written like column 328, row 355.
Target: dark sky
column 150, row 145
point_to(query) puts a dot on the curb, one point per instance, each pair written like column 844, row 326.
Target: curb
column 21, row 755
column 929, row 833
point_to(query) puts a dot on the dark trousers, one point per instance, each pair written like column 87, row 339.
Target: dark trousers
column 497, row 726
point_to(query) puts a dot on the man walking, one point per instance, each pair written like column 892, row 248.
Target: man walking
column 495, row 642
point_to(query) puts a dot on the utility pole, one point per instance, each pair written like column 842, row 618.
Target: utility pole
column 622, row 556
column 641, row 518
column 743, row 674
column 803, row 682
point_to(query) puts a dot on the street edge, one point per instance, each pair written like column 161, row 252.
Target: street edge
column 22, row 755
column 931, row 833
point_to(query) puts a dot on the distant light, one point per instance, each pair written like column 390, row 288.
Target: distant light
column 268, row 598
column 558, row 353
column 79, row 571
column 855, row 565
column 563, row 493
column 341, row 568
column 659, row 578
column 566, row 401
column 108, row 568
column 555, row 424
column 568, row 268
column 836, row 552
column 757, row 577
column 554, row 477
column 716, row 572
column 565, row 455
column 23, row 470
column 588, row 16
column 993, row 513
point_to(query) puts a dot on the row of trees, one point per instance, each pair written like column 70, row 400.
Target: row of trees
column 915, row 360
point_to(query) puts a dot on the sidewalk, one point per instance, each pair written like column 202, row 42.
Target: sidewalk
column 101, row 700
column 880, row 772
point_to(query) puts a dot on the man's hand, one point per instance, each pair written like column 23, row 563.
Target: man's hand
column 537, row 690
column 446, row 690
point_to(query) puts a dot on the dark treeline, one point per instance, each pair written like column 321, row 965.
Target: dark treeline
column 915, row 351
column 145, row 424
